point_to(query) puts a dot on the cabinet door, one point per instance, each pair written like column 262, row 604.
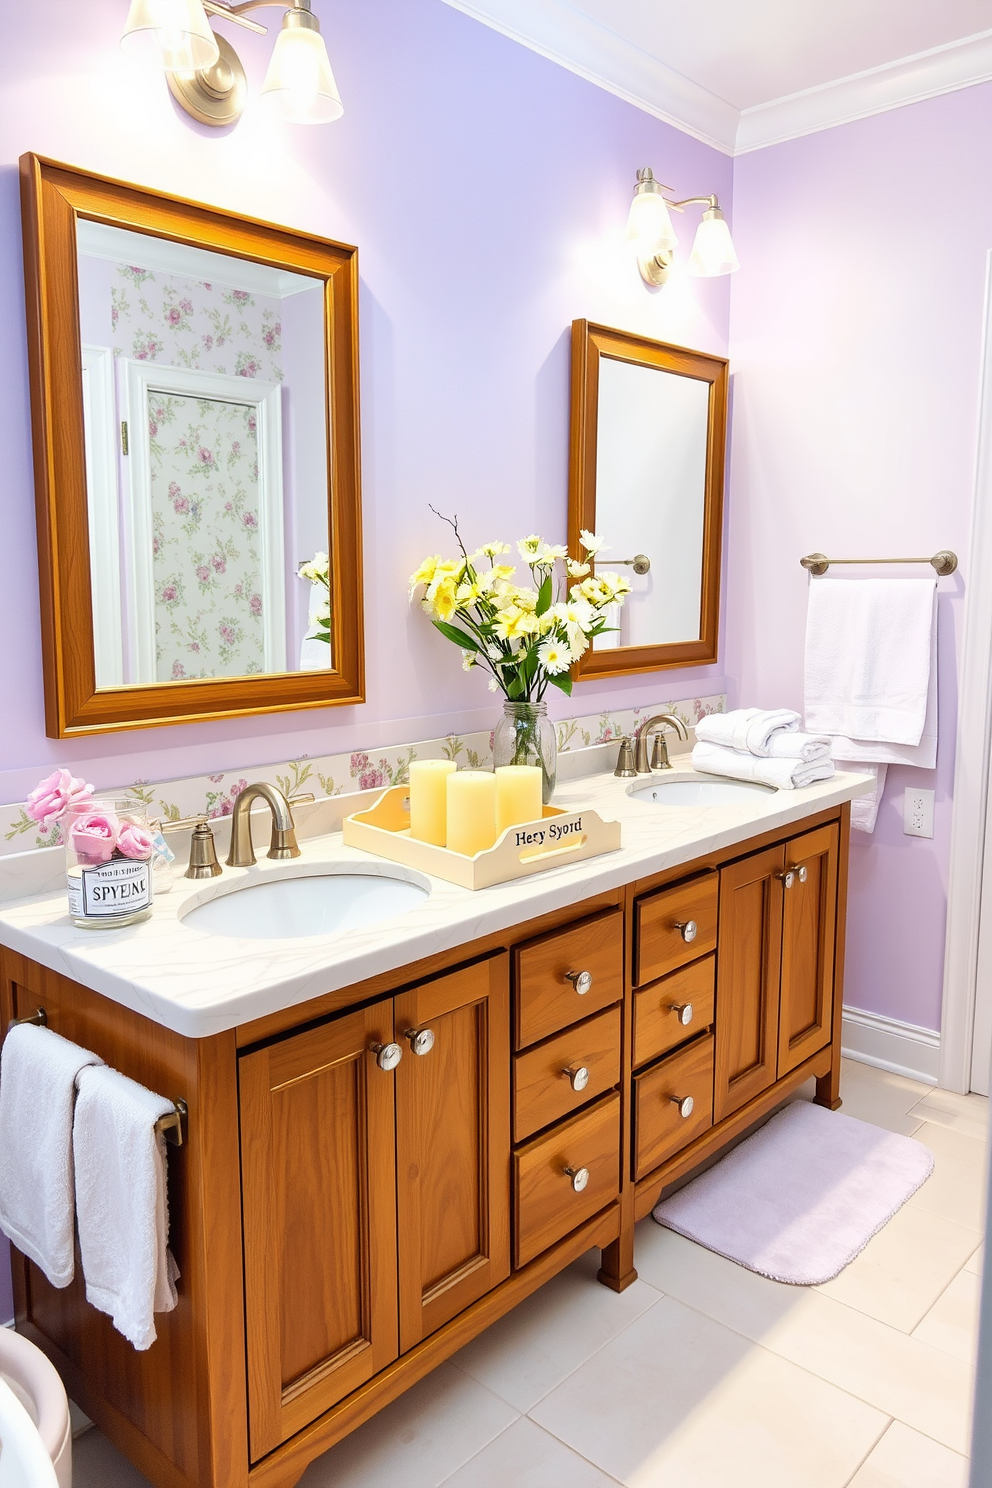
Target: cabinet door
column 319, row 1207
column 808, row 934
column 747, row 979
column 453, row 1144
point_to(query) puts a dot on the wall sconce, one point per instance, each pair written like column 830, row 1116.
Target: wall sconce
column 650, row 229
column 204, row 72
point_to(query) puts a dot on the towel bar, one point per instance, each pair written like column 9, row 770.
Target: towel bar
column 171, row 1124
column 943, row 563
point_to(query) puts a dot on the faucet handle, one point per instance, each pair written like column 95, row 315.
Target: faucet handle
column 203, row 852
column 283, row 843
column 659, row 754
column 625, row 759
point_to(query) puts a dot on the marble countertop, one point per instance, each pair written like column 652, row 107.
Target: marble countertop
column 199, row 983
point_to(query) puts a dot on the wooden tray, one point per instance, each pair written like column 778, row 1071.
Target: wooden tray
column 560, row 837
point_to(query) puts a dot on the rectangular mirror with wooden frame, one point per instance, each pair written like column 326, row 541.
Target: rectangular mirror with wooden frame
column 648, row 433
column 194, row 389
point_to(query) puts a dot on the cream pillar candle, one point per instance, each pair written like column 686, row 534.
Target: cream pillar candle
column 518, row 795
column 471, row 811
column 428, row 799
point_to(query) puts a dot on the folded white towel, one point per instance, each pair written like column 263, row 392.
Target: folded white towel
column 784, row 774
column 38, row 1071
column 749, row 729
column 121, row 1202
column 767, row 733
column 868, row 652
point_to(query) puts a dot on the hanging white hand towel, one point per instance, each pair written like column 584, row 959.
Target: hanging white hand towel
column 38, row 1070
column 783, row 774
column 122, row 1203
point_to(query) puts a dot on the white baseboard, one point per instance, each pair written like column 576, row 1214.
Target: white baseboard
column 890, row 1044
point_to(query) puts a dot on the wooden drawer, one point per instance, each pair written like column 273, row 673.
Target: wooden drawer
column 658, row 1026
column 546, row 1000
column 659, row 945
column 546, row 1206
column 659, row 1129
column 542, row 1093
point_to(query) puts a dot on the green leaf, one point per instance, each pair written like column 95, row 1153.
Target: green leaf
column 467, row 642
column 544, row 596
column 516, row 686
column 562, row 681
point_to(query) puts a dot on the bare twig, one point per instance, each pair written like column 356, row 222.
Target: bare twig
column 452, row 523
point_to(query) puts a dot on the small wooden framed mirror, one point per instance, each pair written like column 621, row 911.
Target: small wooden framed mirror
column 648, row 434
column 194, row 389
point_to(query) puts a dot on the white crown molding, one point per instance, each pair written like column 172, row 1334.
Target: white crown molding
column 574, row 40
column 959, row 64
column 164, row 256
column 556, row 30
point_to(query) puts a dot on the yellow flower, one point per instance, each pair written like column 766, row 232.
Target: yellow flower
column 555, row 657
column 493, row 549
column 424, row 573
column 512, row 623
column 529, row 547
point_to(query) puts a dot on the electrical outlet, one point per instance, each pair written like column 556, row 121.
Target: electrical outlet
column 917, row 813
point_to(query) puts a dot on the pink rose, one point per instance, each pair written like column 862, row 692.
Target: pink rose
column 94, row 837
column 133, row 841
column 53, row 795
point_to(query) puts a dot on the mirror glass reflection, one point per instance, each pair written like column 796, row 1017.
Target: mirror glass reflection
column 651, row 444
column 205, row 410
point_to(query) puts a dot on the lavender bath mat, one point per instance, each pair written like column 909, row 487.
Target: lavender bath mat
column 802, row 1197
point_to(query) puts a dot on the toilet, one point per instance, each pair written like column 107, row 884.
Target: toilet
column 36, row 1384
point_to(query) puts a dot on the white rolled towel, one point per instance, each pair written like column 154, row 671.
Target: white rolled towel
column 784, row 774
column 749, row 729
column 806, row 747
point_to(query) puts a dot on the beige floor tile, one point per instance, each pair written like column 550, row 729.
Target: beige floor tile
column 541, row 1341
column 527, row 1457
column 976, row 1263
column 952, row 1322
column 964, row 1113
column 956, row 1188
column 678, row 1399
column 905, row 1459
column 880, row 1097
column 97, row 1464
column 898, row 1374
column 419, row 1440
column 904, row 1268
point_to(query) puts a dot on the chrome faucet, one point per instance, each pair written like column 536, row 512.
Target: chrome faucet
column 661, row 760
column 283, row 840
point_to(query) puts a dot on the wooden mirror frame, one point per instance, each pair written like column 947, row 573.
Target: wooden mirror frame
column 53, row 196
column 589, row 343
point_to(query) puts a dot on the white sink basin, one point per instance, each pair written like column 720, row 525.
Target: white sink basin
column 698, row 790
column 324, row 904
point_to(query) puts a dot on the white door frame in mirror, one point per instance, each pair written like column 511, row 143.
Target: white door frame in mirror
column 132, row 553
column 100, row 420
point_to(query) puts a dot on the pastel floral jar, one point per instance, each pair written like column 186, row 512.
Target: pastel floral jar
column 108, row 850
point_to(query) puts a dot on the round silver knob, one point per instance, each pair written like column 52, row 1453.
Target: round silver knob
column 421, row 1039
column 683, row 1013
column 387, row 1056
column 686, row 1105
column 580, row 980
column 787, row 879
column 579, row 1177
column 803, row 875
column 688, row 929
column 577, row 1076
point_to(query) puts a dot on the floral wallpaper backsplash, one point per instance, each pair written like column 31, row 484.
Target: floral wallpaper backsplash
column 339, row 774
column 192, row 323
column 207, row 569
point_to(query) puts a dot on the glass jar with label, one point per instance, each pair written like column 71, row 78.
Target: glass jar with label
column 108, row 851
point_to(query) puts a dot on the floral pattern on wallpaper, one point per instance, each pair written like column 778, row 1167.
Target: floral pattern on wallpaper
column 339, row 774
column 193, row 323
column 206, row 561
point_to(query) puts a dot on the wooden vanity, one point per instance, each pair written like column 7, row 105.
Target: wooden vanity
column 343, row 1223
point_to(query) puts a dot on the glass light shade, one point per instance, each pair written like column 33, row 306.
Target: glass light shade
column 713, row 250
column 174, row 34
column 649, row 226
column 299, row 84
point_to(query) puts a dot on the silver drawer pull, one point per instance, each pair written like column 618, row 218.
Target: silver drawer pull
column 421, row 1039
column 682, row 1011
column 577, row 1076
column 688, row 929
column 685, row 1103
column 579, row 1177
column 580, row 980
column 387, row 1056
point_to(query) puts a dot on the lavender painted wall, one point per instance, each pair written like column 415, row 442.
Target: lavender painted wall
column 856, row 337
column 487, row 190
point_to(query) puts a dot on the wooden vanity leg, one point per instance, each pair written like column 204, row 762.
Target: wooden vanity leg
column 617, row 1268
column 828, row 1085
